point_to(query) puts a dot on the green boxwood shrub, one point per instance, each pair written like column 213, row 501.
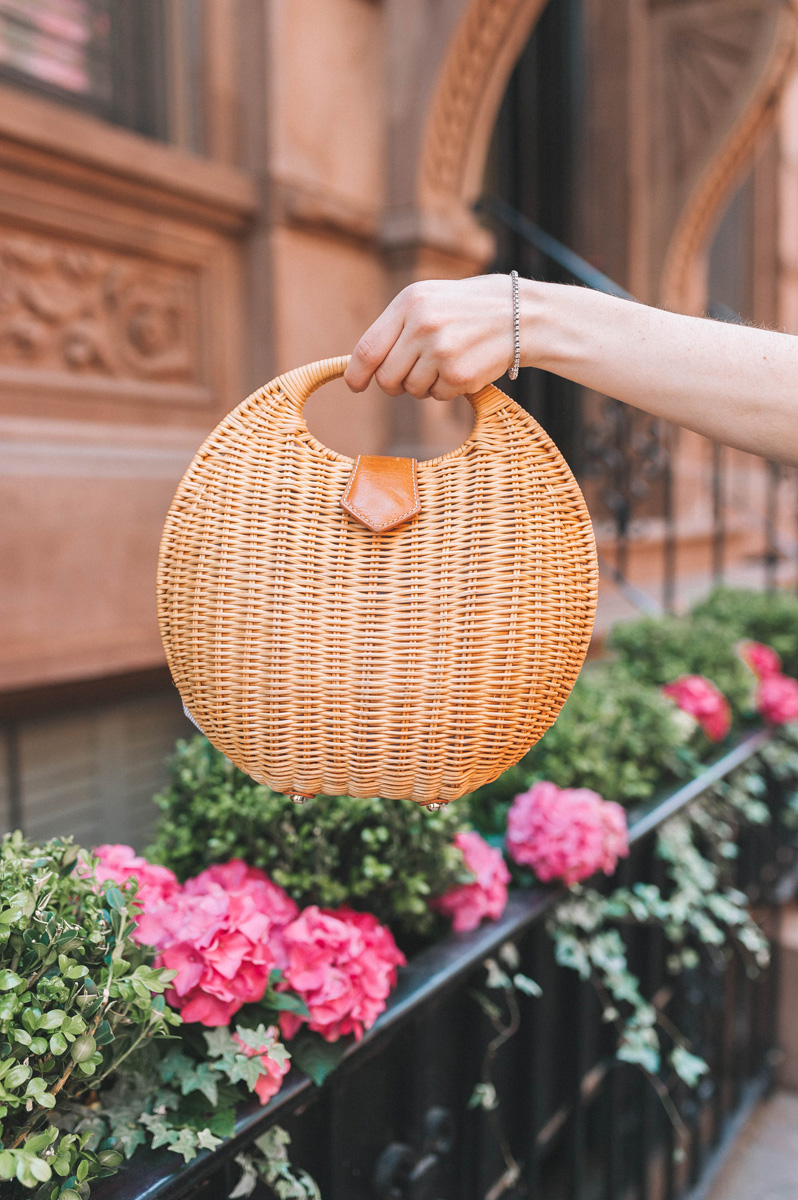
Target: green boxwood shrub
column 657, row 650
column 384, row 856
column 76, row 996
column 770, row 617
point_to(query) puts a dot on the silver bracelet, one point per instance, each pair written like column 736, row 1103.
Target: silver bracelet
column 513, row 372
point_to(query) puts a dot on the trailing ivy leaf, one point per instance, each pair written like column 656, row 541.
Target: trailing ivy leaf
column 484, row 1096
column 317, row 1058
column 223, row 1122
column 689, row 1067
column 497, row 978
column 219, row 1041
column 527, row 985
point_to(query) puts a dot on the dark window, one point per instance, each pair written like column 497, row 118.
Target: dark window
column 119, row 59
column 533, row 166
column 59, row 46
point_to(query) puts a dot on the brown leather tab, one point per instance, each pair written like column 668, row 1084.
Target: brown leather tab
column 382, row 492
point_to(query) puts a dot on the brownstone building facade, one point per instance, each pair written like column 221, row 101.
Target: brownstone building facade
column 198, row 194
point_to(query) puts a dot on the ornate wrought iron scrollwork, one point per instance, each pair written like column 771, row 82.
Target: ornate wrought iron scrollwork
column 628, row 452
column 405, row 1172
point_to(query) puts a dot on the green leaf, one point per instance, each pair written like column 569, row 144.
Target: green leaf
column 82, row 1048
column 223, row 1122
column 40, row 1141
column 114, row 898
column 527, row 985
column 207, row 1140
column 104, row 1034
column 17, row 1076
column 484, row 1096
column 54, row 1019
column 689, row 1067
column 9, row 979
column 316, row 1057
column 286, row 1002
column 58, row 1044
column 9, row 1006
column 31, row 1171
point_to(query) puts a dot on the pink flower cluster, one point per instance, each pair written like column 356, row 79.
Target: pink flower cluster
column 219, row 932
column 776, row 695
column 566, row 833
column 225, row 930
column 467, row 903
column 704, row 702
column 759, row 658
column 343, row 965
column 219, row 938
column 156, row 885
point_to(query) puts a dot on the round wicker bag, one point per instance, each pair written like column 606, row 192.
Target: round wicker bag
column 379, row 627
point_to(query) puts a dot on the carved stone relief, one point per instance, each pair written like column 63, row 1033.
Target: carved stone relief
column 86, row 311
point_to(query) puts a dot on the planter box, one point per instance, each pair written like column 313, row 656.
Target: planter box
column 393, row 1121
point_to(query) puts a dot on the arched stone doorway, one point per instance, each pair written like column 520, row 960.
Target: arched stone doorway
column 681, row 88
column 678, row 96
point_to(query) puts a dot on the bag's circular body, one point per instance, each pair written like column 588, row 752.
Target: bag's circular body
column 416, row 663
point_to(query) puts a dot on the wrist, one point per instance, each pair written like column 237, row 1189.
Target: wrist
column 537, row 307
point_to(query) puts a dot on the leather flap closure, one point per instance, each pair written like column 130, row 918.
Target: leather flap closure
column 382, row 492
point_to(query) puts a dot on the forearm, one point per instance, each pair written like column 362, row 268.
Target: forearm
column 731, row 383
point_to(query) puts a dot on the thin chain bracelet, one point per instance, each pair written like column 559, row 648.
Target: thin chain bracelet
column 513, row 372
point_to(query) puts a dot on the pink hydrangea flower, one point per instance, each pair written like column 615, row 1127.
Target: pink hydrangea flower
column 761, row 659
column 776, row 699
column 220, row 933
column 700, row 698
column 343, row 965
column 269, row 1083
column 121, row 863
column 157, row 886
column 566, row 833
column 468, row 903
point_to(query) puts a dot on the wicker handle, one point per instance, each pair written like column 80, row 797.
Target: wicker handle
column 300, row 383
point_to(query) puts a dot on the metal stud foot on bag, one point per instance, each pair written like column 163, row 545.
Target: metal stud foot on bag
column 436, row 806
column 299, row 798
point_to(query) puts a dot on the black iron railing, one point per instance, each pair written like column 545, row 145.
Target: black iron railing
column 393, row 1123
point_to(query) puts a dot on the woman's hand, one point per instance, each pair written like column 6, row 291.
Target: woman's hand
column 731, row 383
column 438, row 338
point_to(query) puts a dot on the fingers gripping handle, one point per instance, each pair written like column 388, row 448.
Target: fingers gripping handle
column 300, row 383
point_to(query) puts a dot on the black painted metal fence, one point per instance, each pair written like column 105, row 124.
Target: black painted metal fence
column 393, row 1122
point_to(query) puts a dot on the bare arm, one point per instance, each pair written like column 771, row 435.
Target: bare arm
column 732, row 383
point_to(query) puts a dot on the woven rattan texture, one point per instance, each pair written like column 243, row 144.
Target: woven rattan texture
column 417, row 663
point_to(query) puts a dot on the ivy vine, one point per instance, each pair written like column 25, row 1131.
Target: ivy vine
column 698, row 910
